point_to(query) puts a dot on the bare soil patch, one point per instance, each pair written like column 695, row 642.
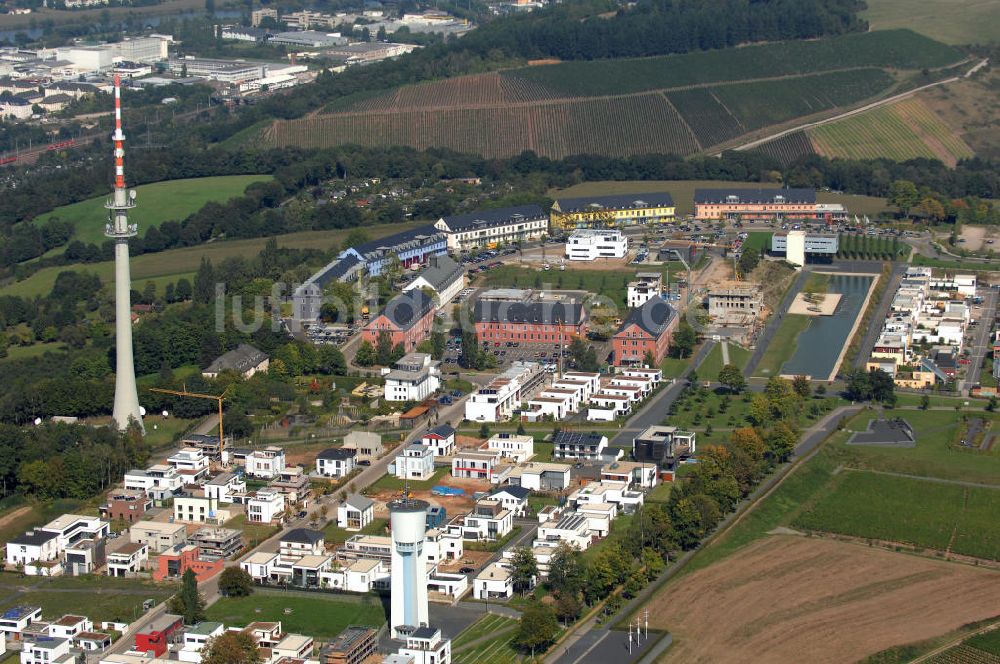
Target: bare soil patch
column 793, row 599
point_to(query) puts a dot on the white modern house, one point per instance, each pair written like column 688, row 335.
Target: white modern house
column 475, row 464
column 513, row 498
column 512, row 446
column 158, row 536
column 265, row 506
column 577, row 445
column 415, row 462
column 415, row 377
column 196, row 509
column 441, row 439
column 495, row 581
column 356, row 512
column 336, row 462
column 224, row 487
column 128, row 560
column 646, row 286
column 32, row 550
column 266, row 463
column 588, row 244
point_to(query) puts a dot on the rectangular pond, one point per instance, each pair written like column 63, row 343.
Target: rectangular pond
column 819, row 346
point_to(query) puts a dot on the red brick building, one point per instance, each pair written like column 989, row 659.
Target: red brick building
column 174, row 562
column 408, row 318
column 529, row 322
column 156, row 637
column 648, row 329
column 127, row 505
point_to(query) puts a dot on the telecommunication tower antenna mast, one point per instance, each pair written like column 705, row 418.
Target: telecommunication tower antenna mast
column 120, row 230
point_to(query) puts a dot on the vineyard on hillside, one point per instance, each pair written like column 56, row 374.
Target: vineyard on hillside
column 903, row 130
column 477, row 90
column 890, row 49
column 615, row 127
column 677, row 104
column 788, row 148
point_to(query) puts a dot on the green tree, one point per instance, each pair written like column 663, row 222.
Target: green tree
column 183, row 292
column 231, row 648
column 568, row 606
column 484, row 430
column 684, row 340
column 188, row 602
column 438, row 343
column 524, row 569
column 565, row 570
column 204, row 282
column 903, row 195
column 732, row 378
column 538, row 627
column 801, row 386
column 383, row 348
column 366, row 356
column 235, row 582
column 781, row 441
column 925, row 402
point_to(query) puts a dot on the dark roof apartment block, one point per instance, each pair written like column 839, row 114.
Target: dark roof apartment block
column 614, row 202
column 493, row 218
column 404, row 310
column 653, row 317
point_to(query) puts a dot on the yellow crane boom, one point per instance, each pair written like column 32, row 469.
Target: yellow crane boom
column 198, row 395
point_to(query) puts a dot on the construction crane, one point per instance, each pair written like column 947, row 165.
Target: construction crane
column 183, row 392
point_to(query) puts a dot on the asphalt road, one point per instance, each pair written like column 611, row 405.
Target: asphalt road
column 981, row 338
column 878, row 318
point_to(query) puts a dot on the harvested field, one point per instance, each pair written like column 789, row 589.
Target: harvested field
column 792, row 599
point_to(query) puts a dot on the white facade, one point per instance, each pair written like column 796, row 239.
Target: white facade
column 336, row 462
column 195, row 509
column 542, row 476
column 426, row 646
column 34, row 546
column 646, row 286
column 408, row 597
column 416, row 462
column 441, row 545
column 495, row 581
column 411, row 385
column 265, row 506
column 591, row 244
column 224, row 487
column 189, row 462
column 795, row 248
column 572, row 528
column 518, row 448
column 128, row 560
column 46, row 651
column 475, row 464
column 497, row 401
column 158, row 481
column 355, row 513
column 440, row 439
column 266, row 463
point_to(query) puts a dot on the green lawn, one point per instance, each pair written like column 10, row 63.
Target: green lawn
column 911, row 511
column 34, row 350
column 97, row 597
column 782, row 345
column 167, row 266
column 660, row 493
column 907, row 399
column 253, row 533
column 172, row 200
column 954, row 264
column 488, row 624
column 336, row 535
column 320, row 616
column 392, row 483
column 934, row 455
column 759, row 240
column 949, row 21
column 673, row 367
column 709, row 369
column 38, row 514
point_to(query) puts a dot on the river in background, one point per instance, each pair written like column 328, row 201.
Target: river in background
column 820, row 345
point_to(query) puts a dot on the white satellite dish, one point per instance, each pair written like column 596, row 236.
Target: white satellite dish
column 142, row 411
column 166, row 414
column 131, row 194
column 38, row 421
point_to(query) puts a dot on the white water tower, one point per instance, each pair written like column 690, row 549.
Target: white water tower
column 408, row 601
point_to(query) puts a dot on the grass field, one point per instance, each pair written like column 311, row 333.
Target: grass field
column 783, row 345
column 611, row 284
column 97, row 597
column 320, row 616
column 944, row 516
column 682, row 192
column 34, row 350
column 170, row 265
column 949, row 21
column 498, row 650
column 955, row 264
column 903, row 130
column 488, row 624
column 709, row 369
column 253, row 533
column 156, row 203
column 759, row 240
column 25, row 515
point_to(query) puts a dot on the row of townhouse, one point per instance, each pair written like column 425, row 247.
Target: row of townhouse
column 923, row 333
column 619, row 394
column 498, row 400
